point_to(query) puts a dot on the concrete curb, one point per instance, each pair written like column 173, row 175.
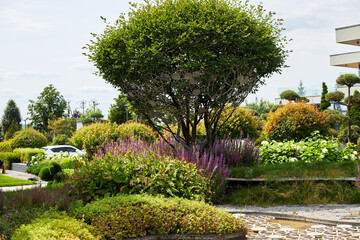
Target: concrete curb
column 232, row 236
column 23, row 187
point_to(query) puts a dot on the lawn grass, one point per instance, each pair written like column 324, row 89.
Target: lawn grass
column 6, row 181
column 299, row 170
column 274, row 193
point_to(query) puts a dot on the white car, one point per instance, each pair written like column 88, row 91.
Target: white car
column 65, row 149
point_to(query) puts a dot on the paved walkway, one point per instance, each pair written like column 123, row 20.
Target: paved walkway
column 24, row 176
column 331, row 221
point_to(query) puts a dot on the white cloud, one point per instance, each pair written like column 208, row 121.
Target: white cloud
column 27, row 75
column 20, row 20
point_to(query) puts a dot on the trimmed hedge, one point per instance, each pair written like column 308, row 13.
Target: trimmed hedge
column 8, row 158
column 55, row 225
column 140, row 215
column 26, row 153
column 5, row 146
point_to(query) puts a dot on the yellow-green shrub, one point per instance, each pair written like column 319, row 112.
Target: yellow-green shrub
column 94, row 135
column 242, row 120
column 5, row 146
column 54, row 226
column 9, row 157
column 27, row 153
column 295, row 121
column 140, row 215
column 135, row 129
column 28, row 138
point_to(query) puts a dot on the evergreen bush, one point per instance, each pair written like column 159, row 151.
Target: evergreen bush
column 26, row 154
column 9, row 157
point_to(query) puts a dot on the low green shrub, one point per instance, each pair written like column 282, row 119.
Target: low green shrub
column 28, row 138
column 5, row 146
column 140, row 215
column 153, row 174
column 26, row 154
column 54, row 225
column 92, row 136
column 138, row 130
column 60, row 140
column 12, row 219
column 9, row 157
column 314, row 148
column 242, row 122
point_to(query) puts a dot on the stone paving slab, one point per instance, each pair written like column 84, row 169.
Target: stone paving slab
column 326, row 214
column 263, row 227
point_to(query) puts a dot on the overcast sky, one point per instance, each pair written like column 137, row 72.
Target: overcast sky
column 41, row 43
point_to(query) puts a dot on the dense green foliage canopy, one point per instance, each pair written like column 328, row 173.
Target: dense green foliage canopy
column 188, row 58
column 49, row 104
column 11, row 113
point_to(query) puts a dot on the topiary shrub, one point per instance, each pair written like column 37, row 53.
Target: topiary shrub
column 295, row 121
column 242, row 122
column 54, row 225
column 5, row 146
column 138, row 130
column 127, row 216
column 290, row 95
column 26, row 154
column 28, row 138
column 94, row 135
column 48, row 173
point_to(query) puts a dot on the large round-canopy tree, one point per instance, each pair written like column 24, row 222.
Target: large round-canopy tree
column 183, row 60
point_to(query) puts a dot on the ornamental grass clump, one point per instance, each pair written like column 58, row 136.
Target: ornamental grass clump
column 126, row 216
